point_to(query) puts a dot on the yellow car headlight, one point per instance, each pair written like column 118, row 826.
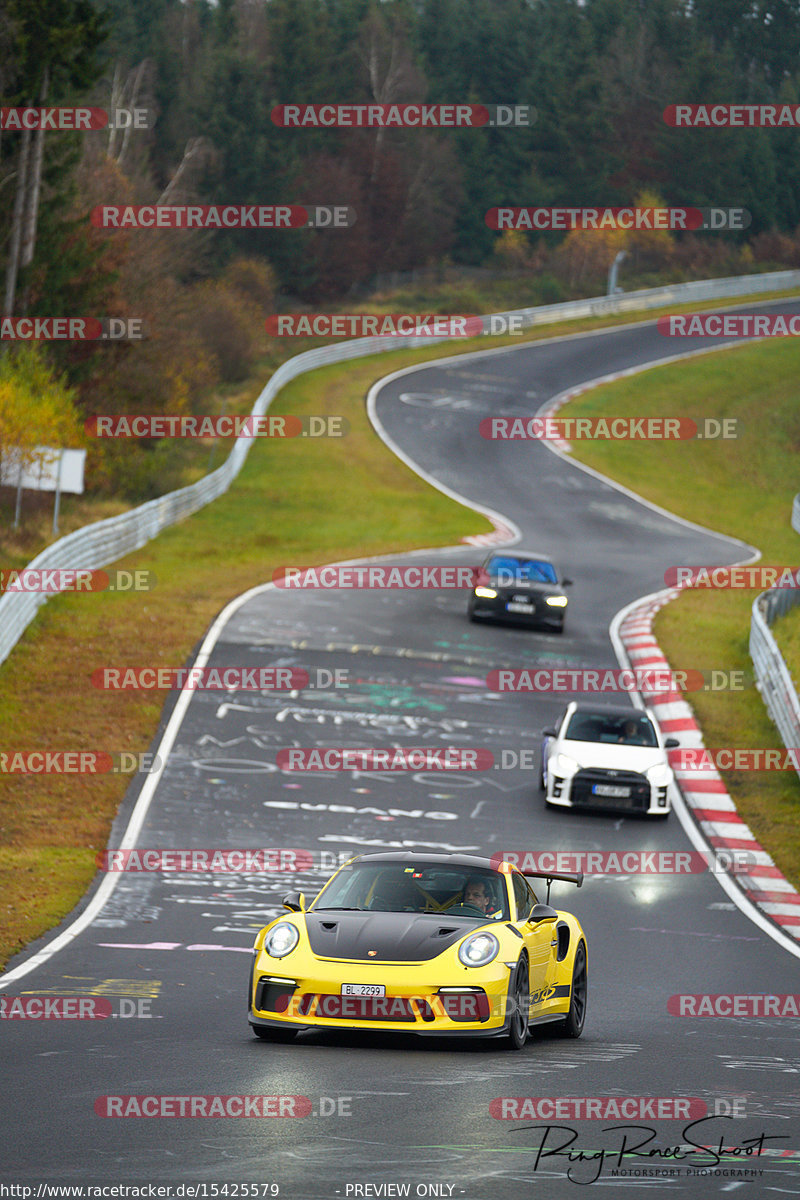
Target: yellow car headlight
column 478, row 950
column 281, row 939
column 557, row 601
column 485, row 593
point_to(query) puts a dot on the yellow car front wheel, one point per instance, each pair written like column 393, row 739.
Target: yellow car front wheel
column 572, row 1025
column 519, row 1002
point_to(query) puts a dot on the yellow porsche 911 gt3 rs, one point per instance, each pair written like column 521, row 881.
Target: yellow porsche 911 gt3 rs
column 430, row 944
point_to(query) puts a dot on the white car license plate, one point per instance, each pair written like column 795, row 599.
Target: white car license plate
column 363, row 989
column 608, row 789
column 518, row 606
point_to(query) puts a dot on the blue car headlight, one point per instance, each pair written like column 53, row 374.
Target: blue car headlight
column 478, row 950
column 281, row 939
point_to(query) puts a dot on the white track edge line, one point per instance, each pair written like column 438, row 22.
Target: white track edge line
column 140, row 808
column 137, row 818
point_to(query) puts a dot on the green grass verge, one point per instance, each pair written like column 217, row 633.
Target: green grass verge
column 786, row 632
column 742, row 487
column 295, row 502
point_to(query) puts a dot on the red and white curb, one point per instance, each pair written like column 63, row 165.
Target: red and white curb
column 552, row 406
column 501, row 535
column 704, row 790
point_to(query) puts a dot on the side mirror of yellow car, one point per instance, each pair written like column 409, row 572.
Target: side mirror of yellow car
column 542, row 912
column 295, row 902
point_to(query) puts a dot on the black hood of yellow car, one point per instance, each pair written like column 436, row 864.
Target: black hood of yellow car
column 384, row 936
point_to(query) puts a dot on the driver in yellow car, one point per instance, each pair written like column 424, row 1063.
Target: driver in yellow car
column 475, row 893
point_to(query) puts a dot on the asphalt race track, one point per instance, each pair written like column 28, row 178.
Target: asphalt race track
column 395, row 1110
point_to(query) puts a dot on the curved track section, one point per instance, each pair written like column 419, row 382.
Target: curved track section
column 389, row 1113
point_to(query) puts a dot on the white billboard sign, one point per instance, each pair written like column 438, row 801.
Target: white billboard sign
column 50, row 470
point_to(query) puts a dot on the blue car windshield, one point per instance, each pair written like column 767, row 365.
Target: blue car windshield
column 514, row 570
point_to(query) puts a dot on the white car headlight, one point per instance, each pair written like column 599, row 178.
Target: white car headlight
column 564, row 765
column 478, row 950
column 659, row 775
column 281, row 939
column 557, row 601
column 485, row 593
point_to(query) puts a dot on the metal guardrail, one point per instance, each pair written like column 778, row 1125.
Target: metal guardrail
column 104, row 542
column 772, row 675
column 678, row 293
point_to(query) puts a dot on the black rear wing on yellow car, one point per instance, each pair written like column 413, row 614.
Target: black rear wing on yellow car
column 575, row 877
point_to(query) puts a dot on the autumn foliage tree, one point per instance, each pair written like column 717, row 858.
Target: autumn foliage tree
column 211, row 72
column 587, row 254
column 37, row 408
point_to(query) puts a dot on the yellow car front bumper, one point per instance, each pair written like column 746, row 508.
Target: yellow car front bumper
column 472, row 1002
column 414, row 1000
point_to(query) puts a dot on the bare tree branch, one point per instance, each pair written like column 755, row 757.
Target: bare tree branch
column 31, row 218
column 198, row 149
column 12, row 265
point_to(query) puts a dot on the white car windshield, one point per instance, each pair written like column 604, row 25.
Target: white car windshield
column 634, row 730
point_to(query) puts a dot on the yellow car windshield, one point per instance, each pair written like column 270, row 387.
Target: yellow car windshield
column 417, row 888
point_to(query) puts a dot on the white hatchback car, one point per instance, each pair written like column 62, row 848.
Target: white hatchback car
column 607, row 758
